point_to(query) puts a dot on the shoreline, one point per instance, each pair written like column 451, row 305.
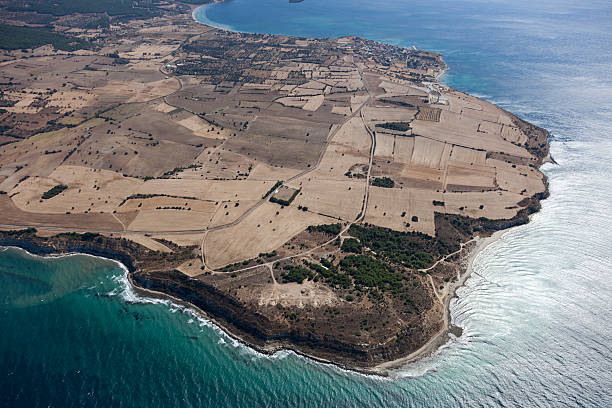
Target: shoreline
column 37, row 252
column 385, row 369
column 208, row 22
column 442, row 337
column 270, row 347
column 266, row 351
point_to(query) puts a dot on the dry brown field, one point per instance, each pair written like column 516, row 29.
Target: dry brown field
column 161, row 145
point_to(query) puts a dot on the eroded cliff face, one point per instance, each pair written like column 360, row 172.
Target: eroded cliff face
column 315, row 317
column 416, row 171
column 311, row 333
column 315, row 331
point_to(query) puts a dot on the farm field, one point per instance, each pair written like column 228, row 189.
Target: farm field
column 307, row 174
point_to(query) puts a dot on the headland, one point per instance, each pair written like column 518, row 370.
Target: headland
column 320, row 195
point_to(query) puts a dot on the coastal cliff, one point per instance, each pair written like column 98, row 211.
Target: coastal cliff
column 319, row 195
column 155, row 274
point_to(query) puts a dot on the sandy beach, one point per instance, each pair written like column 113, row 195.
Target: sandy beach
column 324, row 202
column 384, row 369
column 442, row 337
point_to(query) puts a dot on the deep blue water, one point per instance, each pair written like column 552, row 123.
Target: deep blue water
column 536, row 314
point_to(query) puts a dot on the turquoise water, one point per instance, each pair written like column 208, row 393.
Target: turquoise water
column 536, row 313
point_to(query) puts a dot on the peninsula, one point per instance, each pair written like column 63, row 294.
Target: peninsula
column 320, row 195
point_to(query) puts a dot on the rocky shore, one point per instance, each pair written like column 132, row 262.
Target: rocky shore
column 155, row 274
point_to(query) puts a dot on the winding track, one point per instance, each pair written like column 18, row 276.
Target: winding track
column 330, row 138
column 268, row 265
column 360, row 216
column 303, row 173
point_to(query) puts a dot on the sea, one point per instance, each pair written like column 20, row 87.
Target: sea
column 536, row 313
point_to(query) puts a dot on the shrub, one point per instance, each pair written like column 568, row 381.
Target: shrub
column 54, row 191
column 371, row 272
column 413, row 250
column 351, row 245
column 330, row 229
column 274, row 187
column 285, row 202
column 399, row 126
column 296, row 274
column 14, row 37
column 326, row 263
column 383, row 182
column 331, row 275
